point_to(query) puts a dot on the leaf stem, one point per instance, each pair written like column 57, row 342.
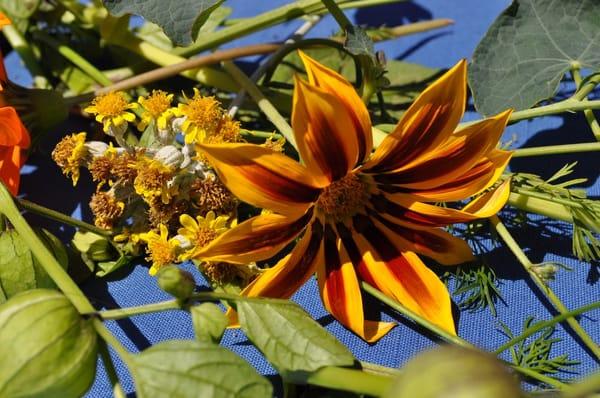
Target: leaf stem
column 544, row 324
column 108, row 363
column 588, row 113
column 111, row 340
column 263, row 103
column 75, row 58
column 352, row 380
column 337, row 14
column 556, row 149
column 556, row 302
column 60, row 217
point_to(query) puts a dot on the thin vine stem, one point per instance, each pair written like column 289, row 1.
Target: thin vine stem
column 588, row 113
column 60, row 217
column 556, row 302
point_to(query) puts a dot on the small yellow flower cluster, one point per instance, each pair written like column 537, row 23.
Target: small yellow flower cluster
column 158, row 194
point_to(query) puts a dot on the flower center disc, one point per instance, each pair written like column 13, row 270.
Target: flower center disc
column 111, row 104
column 343, row 198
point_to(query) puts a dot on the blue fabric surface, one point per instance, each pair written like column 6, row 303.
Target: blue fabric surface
column 543, row 239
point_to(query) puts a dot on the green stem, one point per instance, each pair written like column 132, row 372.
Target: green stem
column 540, row 377
column 587, row 87
column 585, row 388
column 588, row 113
column 556, row 149
column 75, row 58
column 263, row 103
column 556, row 302
column 337, row 14
column 261, row 134
column 22, row 47
column 108, row 364
column 42, row 254
column 544, row 324
column 351, row 380
column 450, row 338
column 60, row 217
column 111, row 340
column 379, row 369
column 121, row 313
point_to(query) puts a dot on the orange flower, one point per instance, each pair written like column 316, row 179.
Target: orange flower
column 363, row 215
column 14, row 138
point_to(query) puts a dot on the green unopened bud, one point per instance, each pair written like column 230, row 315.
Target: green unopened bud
column 47, row 348
column 176, row 282
column 454, row 372
column 94, row 247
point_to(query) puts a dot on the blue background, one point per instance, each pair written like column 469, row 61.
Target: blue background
column 543, row 239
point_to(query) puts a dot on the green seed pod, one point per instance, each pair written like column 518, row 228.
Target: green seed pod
column 46, row 348
column 176, row 282
column 453, row 372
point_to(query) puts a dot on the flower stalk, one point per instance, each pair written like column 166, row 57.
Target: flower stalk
column 556, row 150
column 588, row 113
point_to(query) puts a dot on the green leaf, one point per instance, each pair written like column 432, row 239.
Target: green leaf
column 48, row 349
column 186, row 368
column 19, row 270
column 107, row 267
column 289, row 338
column 358, row 42
column 528, row 49
column 181, row 20
column 209, row 322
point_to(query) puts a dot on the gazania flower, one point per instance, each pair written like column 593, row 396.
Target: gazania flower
column 362, row 215
column 112, row 110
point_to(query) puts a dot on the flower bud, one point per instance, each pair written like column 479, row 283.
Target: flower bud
column 177, row 282
column 450, row 371
column 169, row 156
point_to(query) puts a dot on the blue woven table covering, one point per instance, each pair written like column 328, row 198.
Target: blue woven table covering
column 543, row 239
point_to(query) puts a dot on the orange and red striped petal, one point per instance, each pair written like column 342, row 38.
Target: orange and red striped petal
column 262, row 177
column 335, row 84
column 340, row 290
column 479, row 178
column 326, row 137
column 462, row 152
column 402, row 276
column 427, row 123
column 10, row 165
column 291, row 272
column 434, row 243
column 414, row 214
column 12, row 131
column 4, row 20
column 256, row 239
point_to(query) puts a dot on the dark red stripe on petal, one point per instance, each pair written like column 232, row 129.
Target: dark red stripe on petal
column 390, row 255
column 278, row 186
column 334, row 280
column 354, row 253
column 384, row 205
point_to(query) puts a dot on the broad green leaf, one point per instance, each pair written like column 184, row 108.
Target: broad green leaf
column 48, row 349
column 186, row 368
column 19, row 270
column 209, row 322
column 181, row 20
column 528, row 49
column 358, row 42
column 289, row 338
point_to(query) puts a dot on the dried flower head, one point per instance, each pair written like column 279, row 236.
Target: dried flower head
column 210, row 194
column 152, row 180
column 106, row 209
column 70, row 154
